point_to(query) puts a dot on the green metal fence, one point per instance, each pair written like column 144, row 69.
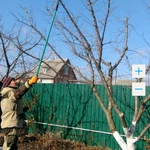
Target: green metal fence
column 75, row 106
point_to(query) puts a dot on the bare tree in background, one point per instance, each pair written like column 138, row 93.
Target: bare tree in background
column 21, row 47
column 16, row 49
column 93, row 46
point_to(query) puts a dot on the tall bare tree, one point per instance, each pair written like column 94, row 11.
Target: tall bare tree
column 92, row 47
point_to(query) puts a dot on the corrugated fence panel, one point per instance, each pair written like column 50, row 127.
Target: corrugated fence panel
column 74, row 105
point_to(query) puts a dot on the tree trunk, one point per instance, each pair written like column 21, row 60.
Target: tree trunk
column 130, row 144
column 120, row 141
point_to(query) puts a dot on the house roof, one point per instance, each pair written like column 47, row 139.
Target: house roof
column 50, row 68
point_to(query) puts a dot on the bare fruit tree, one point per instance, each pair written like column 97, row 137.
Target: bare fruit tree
column 92, row 46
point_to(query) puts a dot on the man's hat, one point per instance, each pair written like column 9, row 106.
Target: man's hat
column 7, row 81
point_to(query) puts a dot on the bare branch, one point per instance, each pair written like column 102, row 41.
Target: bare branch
column 5, row 54
column 141, row 109
column 125, row 46
column 142, row 133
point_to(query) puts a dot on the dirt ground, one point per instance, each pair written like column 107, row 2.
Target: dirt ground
column 52, row 142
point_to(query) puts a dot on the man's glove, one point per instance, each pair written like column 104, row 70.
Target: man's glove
column 33, row 80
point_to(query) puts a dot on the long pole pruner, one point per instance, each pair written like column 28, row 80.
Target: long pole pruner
column 39, row 65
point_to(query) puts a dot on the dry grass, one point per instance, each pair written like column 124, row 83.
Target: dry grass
column 52, row 142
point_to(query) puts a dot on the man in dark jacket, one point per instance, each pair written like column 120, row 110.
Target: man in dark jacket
column 12, row 110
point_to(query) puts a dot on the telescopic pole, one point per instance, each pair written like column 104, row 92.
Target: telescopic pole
column 39, row 65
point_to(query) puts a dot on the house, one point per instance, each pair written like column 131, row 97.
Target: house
column 55, row 71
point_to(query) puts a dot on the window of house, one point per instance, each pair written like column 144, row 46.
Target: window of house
column 44, row 70
column 66, row 69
